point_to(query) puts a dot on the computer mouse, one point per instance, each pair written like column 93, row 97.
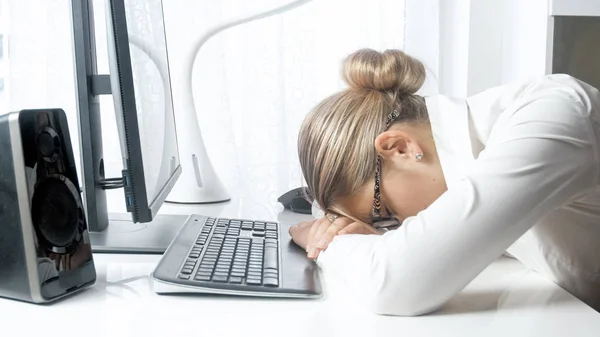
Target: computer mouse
column 295, row 200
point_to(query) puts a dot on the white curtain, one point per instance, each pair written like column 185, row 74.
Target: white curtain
column 253, row 84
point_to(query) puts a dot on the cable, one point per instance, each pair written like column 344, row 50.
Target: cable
column 111, row 183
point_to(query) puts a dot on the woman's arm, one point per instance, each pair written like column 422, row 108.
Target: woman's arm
column 541, row 157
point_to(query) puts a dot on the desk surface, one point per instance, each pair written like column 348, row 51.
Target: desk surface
column 505, row 300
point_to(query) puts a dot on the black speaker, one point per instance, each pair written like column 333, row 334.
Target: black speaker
column 45, row 251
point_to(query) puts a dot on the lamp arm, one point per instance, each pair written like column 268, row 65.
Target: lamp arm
column 198, row 183
column 202, row 39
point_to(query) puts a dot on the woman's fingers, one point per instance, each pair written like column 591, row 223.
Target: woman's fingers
column 299, row 233
column 311, row 234
column 324, row 234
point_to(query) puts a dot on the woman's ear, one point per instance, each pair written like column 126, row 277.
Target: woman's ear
column 393, row 143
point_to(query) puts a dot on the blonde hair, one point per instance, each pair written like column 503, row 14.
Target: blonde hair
column 336, row 143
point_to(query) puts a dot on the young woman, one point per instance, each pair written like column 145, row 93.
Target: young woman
column 513, row 169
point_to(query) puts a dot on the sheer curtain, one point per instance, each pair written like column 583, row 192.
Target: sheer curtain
column 253, row 84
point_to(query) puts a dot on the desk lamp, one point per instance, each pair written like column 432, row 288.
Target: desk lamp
column 198, row 183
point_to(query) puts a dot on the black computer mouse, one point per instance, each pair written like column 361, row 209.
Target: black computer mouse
column 296, row 201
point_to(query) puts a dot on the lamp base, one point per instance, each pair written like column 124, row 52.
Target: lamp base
column 188, row 192
column 196, row 202
column 198, row 183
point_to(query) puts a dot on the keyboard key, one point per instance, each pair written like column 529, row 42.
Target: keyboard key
column 271, row 281
column 238, row 274
column 184, row 276
column 258, row 233
column 219, row 273
column 253, row 281
column 270, row 273
column 235, row 280
column 219, row 278
column 271, row 258
column 186, row 270
column 202, row 278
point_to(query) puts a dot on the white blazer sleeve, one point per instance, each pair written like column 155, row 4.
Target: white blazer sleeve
column 541, row 156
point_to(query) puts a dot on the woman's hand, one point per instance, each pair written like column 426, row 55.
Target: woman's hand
column 299, row 233
column 314, row 236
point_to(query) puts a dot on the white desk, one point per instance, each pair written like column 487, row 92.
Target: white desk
column 505, row 300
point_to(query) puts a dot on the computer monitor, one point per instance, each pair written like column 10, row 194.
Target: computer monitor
column 139, row 83
column 141, row 91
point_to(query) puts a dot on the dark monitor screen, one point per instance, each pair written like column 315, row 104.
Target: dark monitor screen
column 576, row 48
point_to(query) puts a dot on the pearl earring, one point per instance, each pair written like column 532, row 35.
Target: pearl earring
column 419, row 156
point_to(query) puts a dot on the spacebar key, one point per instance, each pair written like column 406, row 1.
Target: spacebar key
column 271, row 258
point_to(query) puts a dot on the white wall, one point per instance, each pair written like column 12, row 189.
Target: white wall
column 485, row 43
column 421, row 36
column 454, row 46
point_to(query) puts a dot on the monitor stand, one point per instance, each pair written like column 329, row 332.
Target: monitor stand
column 124, row 236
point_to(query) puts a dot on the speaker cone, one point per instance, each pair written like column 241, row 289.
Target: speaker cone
column 56, row 213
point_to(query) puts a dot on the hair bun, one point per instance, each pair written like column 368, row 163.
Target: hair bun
column 392, row 70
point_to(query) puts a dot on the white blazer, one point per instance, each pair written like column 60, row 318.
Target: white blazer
column 522, row 169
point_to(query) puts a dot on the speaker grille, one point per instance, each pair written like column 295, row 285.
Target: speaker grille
column 55, row 213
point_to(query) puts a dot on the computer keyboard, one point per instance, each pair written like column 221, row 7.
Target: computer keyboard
column 234, row 251
column 236, row 257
